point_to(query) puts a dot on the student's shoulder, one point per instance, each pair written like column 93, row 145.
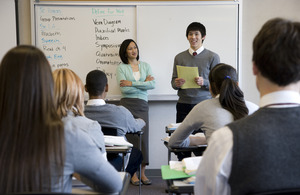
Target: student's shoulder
column 113, row 108
column 123, row 109
column 76, row 138
column 81, row 122
column 208, row 104
column 72, row 130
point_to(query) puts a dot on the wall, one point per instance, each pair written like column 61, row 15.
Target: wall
column 254, row 14
column 7, row 20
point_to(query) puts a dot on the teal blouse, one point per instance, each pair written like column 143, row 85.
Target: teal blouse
column 139, row 88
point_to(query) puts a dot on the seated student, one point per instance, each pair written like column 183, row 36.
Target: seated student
column 38, row 152
column 69, row 92
column 260, row 153
column 69, row 95
column 110, row 115
column 227, row 105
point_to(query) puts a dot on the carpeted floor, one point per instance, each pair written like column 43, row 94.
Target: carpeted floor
column 158, row 187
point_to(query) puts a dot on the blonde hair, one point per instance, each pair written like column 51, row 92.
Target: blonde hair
column 68, row 91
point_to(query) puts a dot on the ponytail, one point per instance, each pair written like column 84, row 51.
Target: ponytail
column 223, row 81
column 232, row 99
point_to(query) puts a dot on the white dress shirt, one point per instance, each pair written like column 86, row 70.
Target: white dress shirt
column 215, row 168
column 95, row 102
column 191, row 51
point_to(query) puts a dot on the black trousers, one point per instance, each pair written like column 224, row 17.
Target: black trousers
column 135, row 159
column 182, row 111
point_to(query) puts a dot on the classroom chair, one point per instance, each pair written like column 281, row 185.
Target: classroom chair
column 195, row 149
column 112, row 152
column 113, row 131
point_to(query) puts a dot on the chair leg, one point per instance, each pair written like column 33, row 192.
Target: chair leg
column 123, row 159
column 140, row 147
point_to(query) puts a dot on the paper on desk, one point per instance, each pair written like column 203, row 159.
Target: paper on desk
column 180, row 183
column 198, row 135
column 188, row 74
column 166, row 139
column 116, row 141
column 173, row 126
column 191, row 164
column 176, row 165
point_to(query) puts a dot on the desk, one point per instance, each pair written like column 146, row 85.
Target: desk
column 113, row 131
column 174, row 180
column 119, row 149
column 178, row 187
column 169, row 131
column 80, row 188
column 198, row 149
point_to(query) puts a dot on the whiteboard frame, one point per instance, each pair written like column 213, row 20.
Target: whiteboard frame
column 151, row 97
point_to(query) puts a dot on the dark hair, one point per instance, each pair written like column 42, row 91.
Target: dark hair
column 276, row 50
column 96, row 81
column 31, row 132
column 223, row 80
column 196, row 26
column 123, row 48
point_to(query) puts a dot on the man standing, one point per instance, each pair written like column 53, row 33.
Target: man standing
column 195, row 56
column 260, row 153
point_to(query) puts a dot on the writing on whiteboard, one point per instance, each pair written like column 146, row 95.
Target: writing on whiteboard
column 108, row 11
column 84, row 38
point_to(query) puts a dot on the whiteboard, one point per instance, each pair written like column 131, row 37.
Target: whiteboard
column 86, row 37
column 162, row 35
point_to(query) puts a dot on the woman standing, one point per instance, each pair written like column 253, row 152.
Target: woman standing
column 135, row 78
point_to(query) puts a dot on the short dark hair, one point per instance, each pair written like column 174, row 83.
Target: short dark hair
column 123, row 48
column 276, row 50
column 96, row 81
column 223, row 80
column 196, row 26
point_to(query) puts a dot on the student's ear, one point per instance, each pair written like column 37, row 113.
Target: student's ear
column 203, row 38
column 255, row 69
column 106, row 88
column 85, row 89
